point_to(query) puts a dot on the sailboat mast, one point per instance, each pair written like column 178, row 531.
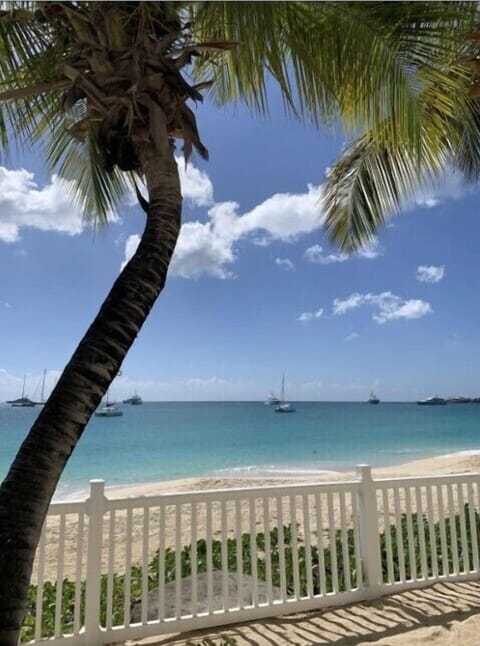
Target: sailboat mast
column 23, row 386
column 283, row 387
column 42, row 396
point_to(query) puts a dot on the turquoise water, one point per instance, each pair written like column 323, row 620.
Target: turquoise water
column 159, row 441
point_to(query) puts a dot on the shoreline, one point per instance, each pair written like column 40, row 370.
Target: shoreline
column 465, row 461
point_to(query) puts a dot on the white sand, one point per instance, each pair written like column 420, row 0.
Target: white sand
column 455, row 463
column 462, row 462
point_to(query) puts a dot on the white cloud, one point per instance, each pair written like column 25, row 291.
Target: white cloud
column 284, row 216
column 370, row 251
column 452, row 186
column 208, row 248
column 351, row 337
column 317, row 255
column 196, row 185
column 430, row 273
column 390, row 306
column 286, row 263
column 202, row 249
column 131, row 245
column 305, row 317
column 23, row 204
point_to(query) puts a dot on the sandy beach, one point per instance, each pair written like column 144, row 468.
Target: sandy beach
column 464, row 462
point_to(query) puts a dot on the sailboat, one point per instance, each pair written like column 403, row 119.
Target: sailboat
column 284, row 407
column 42, row 394
column 23, row 401
column 110, row 409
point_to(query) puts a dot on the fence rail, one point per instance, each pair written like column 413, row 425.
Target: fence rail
column 108, row 570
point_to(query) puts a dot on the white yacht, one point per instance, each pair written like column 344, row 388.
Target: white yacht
column 272, row 400
column 432, row 401
column 110, row 409
column 284, row 407
column 373, row 399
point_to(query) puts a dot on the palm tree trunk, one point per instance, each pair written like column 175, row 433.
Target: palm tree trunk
column 29, row 486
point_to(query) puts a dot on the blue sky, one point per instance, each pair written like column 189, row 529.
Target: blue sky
column 254, row 288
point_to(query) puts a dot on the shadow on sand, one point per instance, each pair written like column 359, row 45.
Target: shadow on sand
column 434, row 609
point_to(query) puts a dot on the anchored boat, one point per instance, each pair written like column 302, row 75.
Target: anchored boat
column 284, row 407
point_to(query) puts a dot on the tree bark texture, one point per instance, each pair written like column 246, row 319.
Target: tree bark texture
column 26, row 492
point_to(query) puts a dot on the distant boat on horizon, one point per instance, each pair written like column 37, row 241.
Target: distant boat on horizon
column 110, row 409
column 23, row 401
column 134, row 400
column 284, row 407
column 373, row 399
column 272, row 400
column 459, row 400
column 432, row 401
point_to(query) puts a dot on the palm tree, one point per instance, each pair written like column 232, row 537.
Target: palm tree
column 106, row 88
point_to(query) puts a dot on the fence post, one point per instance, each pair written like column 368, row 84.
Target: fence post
column 95, row 510
column 368, row 530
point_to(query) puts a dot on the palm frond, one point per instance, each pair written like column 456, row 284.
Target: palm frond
column 361, row 62
column 98, row 193
column 466, row 156
column 373, row 180
column 377, row 175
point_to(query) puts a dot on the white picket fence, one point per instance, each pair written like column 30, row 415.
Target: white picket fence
column 220, row 557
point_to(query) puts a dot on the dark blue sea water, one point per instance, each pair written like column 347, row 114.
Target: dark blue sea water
column 171, row 440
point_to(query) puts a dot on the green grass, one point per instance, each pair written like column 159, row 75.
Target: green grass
column 68, row 590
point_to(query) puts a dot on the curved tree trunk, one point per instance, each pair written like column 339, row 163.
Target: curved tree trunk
column 29, row 486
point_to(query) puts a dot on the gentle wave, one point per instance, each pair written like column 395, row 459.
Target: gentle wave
column 402, row 451
column 272, row 470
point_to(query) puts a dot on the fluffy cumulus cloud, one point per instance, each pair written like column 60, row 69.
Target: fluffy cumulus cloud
column 197, row 188
column 430, row 273
column 317, row 255
column 208, row 248
column 305, row 317
column 24, row 204
column 389, row 307
column 285, row 263
column 201, row 249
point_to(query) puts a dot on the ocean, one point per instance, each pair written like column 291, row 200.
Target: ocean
column 162, row 441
